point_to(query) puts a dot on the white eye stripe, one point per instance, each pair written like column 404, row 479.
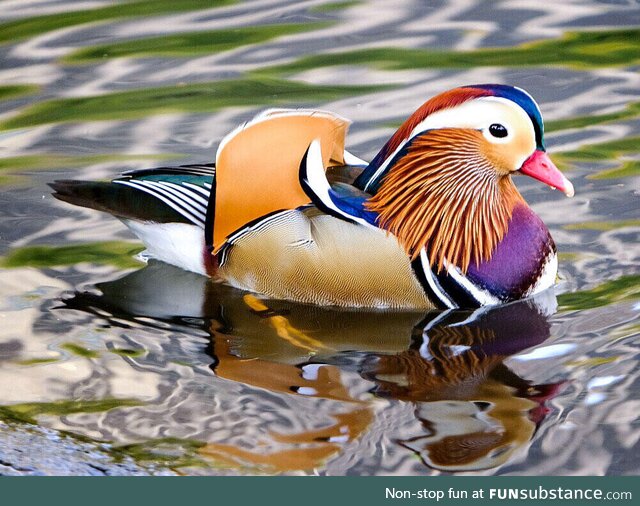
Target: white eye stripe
column 477, row 114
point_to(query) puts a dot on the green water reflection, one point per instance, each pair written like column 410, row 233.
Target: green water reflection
column 193, row 43
column 116, row 253
column 16, row 91
column 200, row 97
column 626, row 288
column 630, row 111
column 12, row 168
column 29, row 412
column 611, row 151
column 22, row 28
column 574, row 49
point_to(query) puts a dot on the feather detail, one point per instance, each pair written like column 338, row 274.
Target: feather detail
column 443, row 194
column 370, row 178
column 339, row 199
column 308, row 256
column 446, row 100
column 161, row 195
column 258, row 165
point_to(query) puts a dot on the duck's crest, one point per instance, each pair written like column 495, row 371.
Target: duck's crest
column 371, row 177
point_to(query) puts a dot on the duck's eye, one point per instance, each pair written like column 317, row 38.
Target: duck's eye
column 498, row 130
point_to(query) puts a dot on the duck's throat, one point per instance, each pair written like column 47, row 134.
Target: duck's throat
column 449, row 201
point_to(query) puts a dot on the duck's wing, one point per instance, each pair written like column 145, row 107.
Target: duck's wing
column 258, row 167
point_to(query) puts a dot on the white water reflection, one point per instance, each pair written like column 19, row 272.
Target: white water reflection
column 543, row 352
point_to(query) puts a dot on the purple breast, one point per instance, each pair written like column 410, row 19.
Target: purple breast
column 519, row 258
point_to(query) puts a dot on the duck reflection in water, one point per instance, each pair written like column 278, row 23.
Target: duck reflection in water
column 473, row 412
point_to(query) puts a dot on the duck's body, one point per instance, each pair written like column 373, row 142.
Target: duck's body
column 434, row 221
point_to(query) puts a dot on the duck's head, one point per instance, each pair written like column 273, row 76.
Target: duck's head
column 442, row 182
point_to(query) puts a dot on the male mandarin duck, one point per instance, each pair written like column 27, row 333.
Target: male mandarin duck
column 433, row 221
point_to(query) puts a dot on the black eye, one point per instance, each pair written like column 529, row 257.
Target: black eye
column 498, row 130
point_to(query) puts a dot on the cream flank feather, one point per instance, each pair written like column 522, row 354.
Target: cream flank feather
column 309, row 256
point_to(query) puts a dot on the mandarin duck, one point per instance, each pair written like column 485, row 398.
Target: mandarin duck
column 433, row 221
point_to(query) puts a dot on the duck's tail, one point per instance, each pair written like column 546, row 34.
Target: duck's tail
column 165, row 207
column 162, row 195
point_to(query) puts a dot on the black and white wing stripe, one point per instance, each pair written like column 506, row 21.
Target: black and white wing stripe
column 185, row 189
column 202, row 169
column 185, row 200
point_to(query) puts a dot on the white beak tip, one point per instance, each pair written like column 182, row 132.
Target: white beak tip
column 568, row 189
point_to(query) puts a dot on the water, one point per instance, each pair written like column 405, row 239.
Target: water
column 176, row 372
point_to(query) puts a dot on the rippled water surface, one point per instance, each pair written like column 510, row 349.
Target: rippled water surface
column 170, row 369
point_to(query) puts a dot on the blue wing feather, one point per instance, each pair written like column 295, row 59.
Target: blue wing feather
column 351, row 200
